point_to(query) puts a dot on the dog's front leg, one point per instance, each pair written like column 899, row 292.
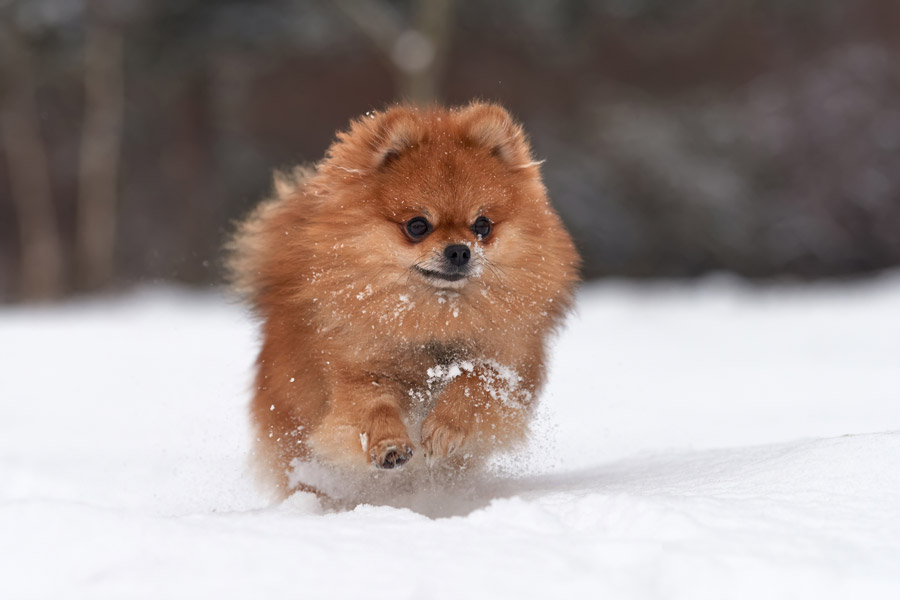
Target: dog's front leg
column 364, row 423
column 483, row 408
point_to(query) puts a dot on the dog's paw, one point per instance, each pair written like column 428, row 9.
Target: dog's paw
column 391, row 454
column 441, row 439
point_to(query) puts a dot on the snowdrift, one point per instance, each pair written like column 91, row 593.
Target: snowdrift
column 704, row 441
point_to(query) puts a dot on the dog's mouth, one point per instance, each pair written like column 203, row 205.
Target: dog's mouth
column 439, row 276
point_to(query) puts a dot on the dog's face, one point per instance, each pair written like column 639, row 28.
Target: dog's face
column 446, row 205
column 453, row 255
column 418, row 225
column 451, row 200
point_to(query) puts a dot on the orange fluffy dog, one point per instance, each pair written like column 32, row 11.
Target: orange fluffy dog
column 407, row 286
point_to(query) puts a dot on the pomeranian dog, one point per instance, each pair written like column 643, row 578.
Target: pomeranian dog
column 407, row 285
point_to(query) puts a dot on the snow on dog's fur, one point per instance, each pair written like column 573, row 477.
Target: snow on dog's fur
column 407, row 286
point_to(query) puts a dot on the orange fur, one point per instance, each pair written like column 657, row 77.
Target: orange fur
column 366, row 361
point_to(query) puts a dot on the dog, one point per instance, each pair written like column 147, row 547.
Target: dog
column 407, row 286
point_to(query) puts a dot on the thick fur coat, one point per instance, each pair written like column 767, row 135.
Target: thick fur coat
column 406, row 285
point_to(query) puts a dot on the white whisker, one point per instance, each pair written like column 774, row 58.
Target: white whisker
column 533, row 163
column 357, row 171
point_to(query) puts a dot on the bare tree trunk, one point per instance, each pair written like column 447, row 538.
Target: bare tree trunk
column 416, row 53
column 431, row 20
column 101, row 140
column 41, row 250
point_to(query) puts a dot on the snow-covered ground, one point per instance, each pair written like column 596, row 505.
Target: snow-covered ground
column 696, row 441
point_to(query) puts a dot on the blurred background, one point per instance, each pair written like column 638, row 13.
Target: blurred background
column 757, row 137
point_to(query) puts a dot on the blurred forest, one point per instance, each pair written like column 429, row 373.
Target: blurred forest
column 760, row 137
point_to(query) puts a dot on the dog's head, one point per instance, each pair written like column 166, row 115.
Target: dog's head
column 408, row 204
column 444, row 197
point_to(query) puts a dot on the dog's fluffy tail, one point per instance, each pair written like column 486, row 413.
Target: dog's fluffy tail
column 246, row 249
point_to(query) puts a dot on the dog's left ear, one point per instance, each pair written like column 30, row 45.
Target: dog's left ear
column 491, row 127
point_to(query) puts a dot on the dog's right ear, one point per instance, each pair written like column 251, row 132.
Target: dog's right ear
column 398, row 131
column 376, row 140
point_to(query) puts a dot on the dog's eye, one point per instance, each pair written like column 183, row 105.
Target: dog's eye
column 418, row 228
column 482, row 227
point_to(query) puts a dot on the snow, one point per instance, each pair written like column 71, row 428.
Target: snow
column 711, row 440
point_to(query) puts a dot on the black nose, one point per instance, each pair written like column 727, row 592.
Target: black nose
column 457, row 254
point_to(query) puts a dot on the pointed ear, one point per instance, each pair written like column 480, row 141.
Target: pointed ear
column 491, row 127
column 397, row 131
column 376, row 139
